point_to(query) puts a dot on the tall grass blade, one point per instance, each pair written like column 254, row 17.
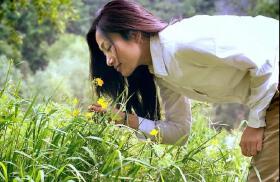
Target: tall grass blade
column 5, row 173
column 30, row 107
column 257, row 173
column 78, row 174
column 6, row 79
column 181, row 172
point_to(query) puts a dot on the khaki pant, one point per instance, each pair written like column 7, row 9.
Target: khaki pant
column 267, row 161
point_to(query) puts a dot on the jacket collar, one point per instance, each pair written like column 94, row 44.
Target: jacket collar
column 158, row 67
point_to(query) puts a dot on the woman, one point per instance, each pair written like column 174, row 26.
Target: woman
column 216, row 59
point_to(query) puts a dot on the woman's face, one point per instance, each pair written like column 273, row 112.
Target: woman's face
column 123, row 54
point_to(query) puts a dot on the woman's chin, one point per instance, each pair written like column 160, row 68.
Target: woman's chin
column 125, row 74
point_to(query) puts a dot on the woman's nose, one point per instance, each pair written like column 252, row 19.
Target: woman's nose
column 109, row 61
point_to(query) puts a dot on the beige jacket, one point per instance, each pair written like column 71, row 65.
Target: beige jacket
column 217, row 59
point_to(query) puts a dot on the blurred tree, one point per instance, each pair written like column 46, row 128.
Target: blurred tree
column 268, row 8
column 25, row 24
column 169, row 9
column 165, row 9
column 86, row 12
column 264, row 7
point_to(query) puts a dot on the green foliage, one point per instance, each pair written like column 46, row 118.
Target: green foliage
column 172, row 9
column 66, row 76
column 25, row 24
column 61, row 142
column 86, row 10
column 268, row 8
column 67, row 73
column 14, row 74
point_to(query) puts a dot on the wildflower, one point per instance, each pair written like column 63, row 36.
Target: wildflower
column 154, row 132
column 76, row 112
column 99, row 81
column 75, row 101
column 88, row 115
column 102, row 101
column 214, row 142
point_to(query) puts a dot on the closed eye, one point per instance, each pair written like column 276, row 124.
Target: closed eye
column 109, row 48
column 105, row 47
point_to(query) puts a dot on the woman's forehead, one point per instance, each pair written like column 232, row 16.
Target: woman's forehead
column 107, row 37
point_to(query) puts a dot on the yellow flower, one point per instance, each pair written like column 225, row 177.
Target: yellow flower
column 214, row 142
column 154, row 132
column 99, row 81
column 102, row 101
column 89, row 115
column 75, row 101
column 76, row 112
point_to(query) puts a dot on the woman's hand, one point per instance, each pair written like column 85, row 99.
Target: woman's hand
column 96, row 108
column 251, row 141
column 118, row 116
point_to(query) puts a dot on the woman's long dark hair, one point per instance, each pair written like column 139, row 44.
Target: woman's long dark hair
column 123, row 17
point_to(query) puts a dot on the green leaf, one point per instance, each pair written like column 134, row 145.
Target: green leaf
column 5, row 173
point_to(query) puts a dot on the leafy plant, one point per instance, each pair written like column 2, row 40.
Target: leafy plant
column 60, row 142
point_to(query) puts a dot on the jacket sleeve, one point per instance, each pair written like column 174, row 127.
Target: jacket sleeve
column 176, row 126
column 254, row 49
column 262, row 89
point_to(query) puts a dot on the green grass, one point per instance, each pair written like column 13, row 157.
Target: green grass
column 59, row 142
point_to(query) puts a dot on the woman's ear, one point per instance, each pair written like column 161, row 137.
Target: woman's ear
column 137, row 36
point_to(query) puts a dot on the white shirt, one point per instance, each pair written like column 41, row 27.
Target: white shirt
column 218, row 59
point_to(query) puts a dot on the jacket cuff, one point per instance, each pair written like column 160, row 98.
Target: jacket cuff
column 256, row 119
column 146, row 125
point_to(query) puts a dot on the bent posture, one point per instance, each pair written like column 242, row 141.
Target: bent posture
column 216, row 59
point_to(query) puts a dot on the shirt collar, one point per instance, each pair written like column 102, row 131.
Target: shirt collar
column 158, row 67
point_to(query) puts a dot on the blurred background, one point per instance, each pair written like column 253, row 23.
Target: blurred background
column 46, row 41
